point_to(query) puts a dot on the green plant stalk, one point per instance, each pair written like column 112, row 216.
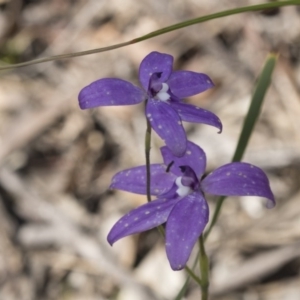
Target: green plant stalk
column 204, row 269
column 155, row 33
column 260, row 91
column 192, row 274
column 215, row 216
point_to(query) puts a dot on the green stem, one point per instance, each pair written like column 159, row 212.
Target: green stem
column 204, row 269
column 253, row 113
column 147, row 155
column 192, row 274
column 215, row 216
column 164, row 30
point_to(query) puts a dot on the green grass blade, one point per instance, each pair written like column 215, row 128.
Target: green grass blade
column 262, row 86
column 167, row 29
column 218, row 15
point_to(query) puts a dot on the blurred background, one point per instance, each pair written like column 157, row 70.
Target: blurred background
column 57, row 161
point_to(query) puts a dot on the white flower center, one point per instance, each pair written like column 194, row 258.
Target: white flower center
column 162, row 94
column 182, row 190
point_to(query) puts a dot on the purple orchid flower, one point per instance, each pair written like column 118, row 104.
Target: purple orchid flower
column 180, row 199
column 164, row 90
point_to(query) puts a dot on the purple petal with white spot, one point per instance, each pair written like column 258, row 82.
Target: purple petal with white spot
column 186, row 83
column 155, row 62
column 194, row 157
column 108, row 92
column 239, row 179
column 185, row 224
column 195, row 114
column 143, row 218
column 167, row 124
column 134, row 180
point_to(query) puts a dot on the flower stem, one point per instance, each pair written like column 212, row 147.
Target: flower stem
column 147, row 155
column 192, row 274
column 215, row 216
column 204, row 269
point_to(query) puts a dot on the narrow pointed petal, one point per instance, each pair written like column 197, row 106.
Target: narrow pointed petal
column 185, row 224
column 194, row 157
column 155, row 62
column 135, row 180
column 195, row 114
column 239, row 179
column 108, row 92
column 167, row 124
column 186, row 83
column 143, row 218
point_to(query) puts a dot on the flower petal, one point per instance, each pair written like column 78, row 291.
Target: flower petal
column 155, row 62
column 239, row 179
column 110, row 91
column 189, row 178
column 195, row 114
column 143, row 218
column 194, row 157
column 186, row 83
column 185, row 224
column 135, row 181
column 167, row 124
